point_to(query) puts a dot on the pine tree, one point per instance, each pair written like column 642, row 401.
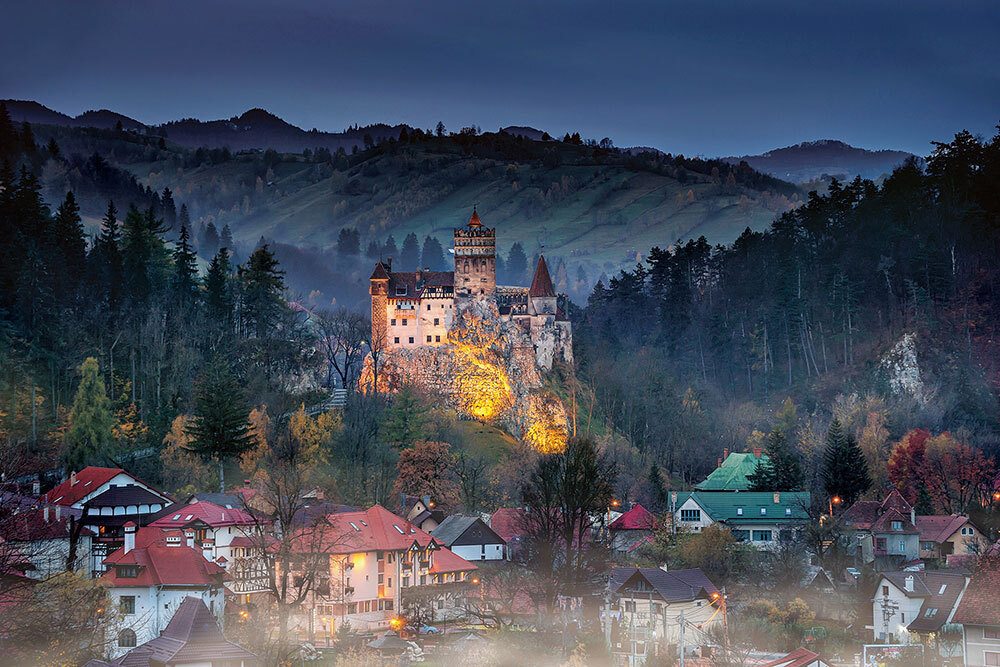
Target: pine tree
column 780, row 471
column 373, row 251
column 409, row 255
column 209, row 240
column 845, row 470
column 218, row 288
column 657, row 490
column 168, row 207
column 262, row 286
column 185, row 267
column 226, row 239
column 432, row 255
column 88, row 439
column 924, row 506
column 220, row 429
column 517, row 265
column 67, row 230
column 108, row 253
column 390, row 249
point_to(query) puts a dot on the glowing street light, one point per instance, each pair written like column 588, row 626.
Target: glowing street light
column 833, row 501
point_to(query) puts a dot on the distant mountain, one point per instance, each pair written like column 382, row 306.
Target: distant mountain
column 256, row 129
column 38, row 114
column 525, row 131
column 811, row 160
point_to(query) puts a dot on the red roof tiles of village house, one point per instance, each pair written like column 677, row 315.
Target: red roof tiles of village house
column 541, row 284
column 507, row 522
column 32, row 525
column 980, row 603
column 800, row 657
column 939, row 528
column 884, row 523
column 86, row 482
column 637, row 518
column 374, row 529
column 208, row 513
column 862, row 514
column 446, row 560
column 163, row 565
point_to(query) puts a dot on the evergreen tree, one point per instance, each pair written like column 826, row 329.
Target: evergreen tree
column 406, row 421
column 88, row 439
column 185, row 267
column 517, row 265
column 924, row 506
column 219, row 428
column 409, row 255
column 168, row 208
column 53, row 148
column 373, row 251
column 432, row 255
column 210, row 240
column 348, row 242
column 226, row 239
column 657, row 491
column 145, row 259
column 390, row 249
column 262, row 286
column 218, row 291
column 109, row 259
column 67, row 230
column 781, row 471
column 845, row 470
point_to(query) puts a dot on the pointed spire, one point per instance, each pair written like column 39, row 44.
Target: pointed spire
column 474, row 221
column 541, row 284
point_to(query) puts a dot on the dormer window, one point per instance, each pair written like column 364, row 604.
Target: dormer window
column 788, row 511
column 897, row 525
column 763, row 511
column 401, row 291
column 739, row 511
column 398, row 529
column 354, row 526
column 127, row 571
column 176, row 517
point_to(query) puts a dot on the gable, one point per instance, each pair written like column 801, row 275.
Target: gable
column 477, row 533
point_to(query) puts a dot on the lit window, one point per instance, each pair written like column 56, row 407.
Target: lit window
column 126, row 638
column 788, row 511
column 739, row 511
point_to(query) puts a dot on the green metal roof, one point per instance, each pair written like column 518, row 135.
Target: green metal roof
column 744, row 507
column 732, row 474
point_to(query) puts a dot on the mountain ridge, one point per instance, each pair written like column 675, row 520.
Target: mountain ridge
column 813, row 160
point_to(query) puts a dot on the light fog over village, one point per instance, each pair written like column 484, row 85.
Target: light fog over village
column 565, row 334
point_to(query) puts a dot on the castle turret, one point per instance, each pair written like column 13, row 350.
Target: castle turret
column 541, row 294
column 379, row 290
column 475, row 258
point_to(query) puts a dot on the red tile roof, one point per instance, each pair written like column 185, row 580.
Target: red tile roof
column 980, row 604
column 446, row 560
column 31, row 525
column 163, row 565
column 474, row 221
column 213, row 515
column 637, row 518
column 507, row 522
column 939, row 528
column 884, row 523
column 380, row 272
column 541, row 284
column 88, row 480
column 800, row 657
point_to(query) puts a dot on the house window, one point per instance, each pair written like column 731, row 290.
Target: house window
column 690, row 515
column 763, row 511
column 880, row 543
column 926, row 546
column 404, row 321
column 423, row 579
column 991, row 633
column 741, row 535
column 991, row 658
column 902, row 546
column 930, row 613
column 761, row 536
column 388, row 605
column 390, row 582
column 897, row 525
column 739, row 511
column 406, row 581
column 630, row 605
column 393, row 321
column 885, row 591
column 127, row 605
column 967, row 530
column 440, row 603
column 428, row 306
column 380, row 579
column 126, row 638
column 788, row 511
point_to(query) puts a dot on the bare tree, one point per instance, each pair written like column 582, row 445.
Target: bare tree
column 342, row 340
column 493, row 602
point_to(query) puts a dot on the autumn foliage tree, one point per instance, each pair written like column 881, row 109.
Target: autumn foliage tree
column 424, row 469
column 950, row 472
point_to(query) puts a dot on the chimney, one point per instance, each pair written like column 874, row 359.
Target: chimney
column 72, row 478
column 420, row 275
column 207, row 546
column 777, row 497
column 174, row 540
column 718, row 463
column 388, row 263
column 908, row 583
column 129, row 536
column 58, row 513
column 45, row 513
column 246, row 484
column 757, row 452
column 913, row 516
column 189, row 538
column 725, row 453
column 36, row 488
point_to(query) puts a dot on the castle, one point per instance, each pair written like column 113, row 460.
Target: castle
column 414, row 309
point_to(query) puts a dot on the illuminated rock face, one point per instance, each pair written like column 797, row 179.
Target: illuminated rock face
column 488, row 371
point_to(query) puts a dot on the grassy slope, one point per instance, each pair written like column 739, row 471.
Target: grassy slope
column 596, row 214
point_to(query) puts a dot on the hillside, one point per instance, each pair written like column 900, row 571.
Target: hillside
column 594, row 210
column 811, row 160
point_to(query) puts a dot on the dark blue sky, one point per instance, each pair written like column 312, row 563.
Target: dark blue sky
column 702, row 77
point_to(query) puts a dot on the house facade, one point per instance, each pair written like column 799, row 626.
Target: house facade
column 952, row 534
column 46, row 536
column 631, row 528
column 764, row 519
column 150, row 576
column 913, row 606
column 979, row 615
column 470, row 538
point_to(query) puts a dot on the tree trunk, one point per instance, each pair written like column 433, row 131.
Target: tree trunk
column 222, row 477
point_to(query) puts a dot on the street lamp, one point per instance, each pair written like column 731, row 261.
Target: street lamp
column 833, row 501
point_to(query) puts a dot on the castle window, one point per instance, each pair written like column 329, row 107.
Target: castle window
column 438, row 321
column 404, row 321
column 393, row 322
column 428, row 339
column 428, row 306
column 401, row 291
column 411, row 340
column 437, row 339
column 396, row 340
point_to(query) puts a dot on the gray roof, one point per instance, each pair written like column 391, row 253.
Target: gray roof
column 672, row 585
column 452, row 528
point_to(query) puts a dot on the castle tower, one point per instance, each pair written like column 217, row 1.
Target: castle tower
column 475, row 259
column 379, row 290
column 541, row 294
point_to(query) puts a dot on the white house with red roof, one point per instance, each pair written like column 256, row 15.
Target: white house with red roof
column 630, row 528
column 150, row 576
column 375, row 558
column 979, row 614
column 46, row 536
column 109, row 498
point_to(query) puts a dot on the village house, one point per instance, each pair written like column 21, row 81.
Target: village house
column 192, row 638
column 979, row 615
column 421, row 511
column 46, row 536
column 733, row 470
column 644, row 608
column 947, row 535
column 109, row 498
column 913, row 606
column 470, row 538
column 150, row 576
column 764, row 519
column 631, row 528
column 414, row 309
column 800, row 657
column 375, row 559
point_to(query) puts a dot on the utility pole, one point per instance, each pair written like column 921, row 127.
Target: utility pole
column 889, row 609
column 681, row 644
